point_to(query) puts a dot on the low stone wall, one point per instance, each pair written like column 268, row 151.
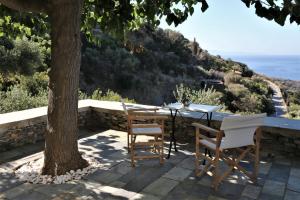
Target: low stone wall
column 282, row 141
column 30, row 131
column 279, row 135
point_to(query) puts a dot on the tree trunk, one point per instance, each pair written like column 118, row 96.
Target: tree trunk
column 61, row 149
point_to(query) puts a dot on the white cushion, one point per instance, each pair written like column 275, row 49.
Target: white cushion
column 147, row 131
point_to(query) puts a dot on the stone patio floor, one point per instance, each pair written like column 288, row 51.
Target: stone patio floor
column 279, row 176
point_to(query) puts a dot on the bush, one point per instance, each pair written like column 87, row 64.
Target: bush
column 232, row 77
column 240, row 99
column 216, row 74
column 294, row 111
column 19, row 99
column 247, row 72
column 109, row 95
column 203, row 96
column 35, row 84
column 257, row 85
column 8, row 80
column 238, row 90
column 25, row 57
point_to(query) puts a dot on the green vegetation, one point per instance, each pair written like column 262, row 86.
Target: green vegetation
column 152, row 61
column 17, row 98
column 21, row 56
column 108, row 96
column 206, row 95
column 242, row 95
column 291, row 95
column 247, row 95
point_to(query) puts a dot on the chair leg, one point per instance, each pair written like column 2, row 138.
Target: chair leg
column 132, row 145
column 128, row 146
column 156, row 147
column 197, row 156
column 257, row 147
column 216, row 176
column 161, row 151
column 256, row 163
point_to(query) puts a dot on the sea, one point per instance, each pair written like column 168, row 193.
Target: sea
column 276, row 66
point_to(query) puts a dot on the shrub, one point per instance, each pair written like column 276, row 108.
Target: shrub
column 203, row 96
column 232, row 77
column 182, row 94
column 294, row 111
column 256, row 85
column 246, row 72
column 36, row 83
column 238, row 90
column 8, row 80
column 216, row 74
column 240, row 99
column 109, row 95
column 25, row 57
column 19, row 99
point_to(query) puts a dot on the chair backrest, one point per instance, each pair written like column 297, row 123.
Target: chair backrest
column 239, row 130
column 124, row 106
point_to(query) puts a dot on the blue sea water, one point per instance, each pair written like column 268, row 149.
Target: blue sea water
column 284, row 67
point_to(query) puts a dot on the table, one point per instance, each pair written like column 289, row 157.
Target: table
column 177, row 107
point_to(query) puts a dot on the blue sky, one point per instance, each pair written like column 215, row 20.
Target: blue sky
column 228, row 26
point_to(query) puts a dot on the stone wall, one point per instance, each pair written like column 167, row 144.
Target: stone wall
column 282, row 141
column 30, row 131
column 96, row 115
column 275, row 140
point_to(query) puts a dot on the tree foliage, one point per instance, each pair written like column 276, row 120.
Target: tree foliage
column 277, row 10
column 118, row 16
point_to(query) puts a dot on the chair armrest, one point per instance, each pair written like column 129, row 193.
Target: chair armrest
column 205, row 128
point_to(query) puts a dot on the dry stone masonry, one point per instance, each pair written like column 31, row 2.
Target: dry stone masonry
column 29, row 126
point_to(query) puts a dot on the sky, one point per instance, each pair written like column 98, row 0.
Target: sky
column 229, row 27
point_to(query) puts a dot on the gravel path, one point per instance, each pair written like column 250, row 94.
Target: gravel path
column 279, row 103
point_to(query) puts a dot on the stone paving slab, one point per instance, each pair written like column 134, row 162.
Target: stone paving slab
column 295, row 172
column 279, row 172
column 279, row 177
column 294, row 183
column 291, row 195
column 251, row 191
column 274, row 188
column 144, row 196
column 104, row 176
column 161, row 187
column 177, row 174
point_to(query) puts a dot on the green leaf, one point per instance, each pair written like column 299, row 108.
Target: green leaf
column 271, row 2
column 247, row 2
column 204, row 6
column 296, row 10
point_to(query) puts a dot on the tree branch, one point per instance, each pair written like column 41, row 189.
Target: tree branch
column 37, row 6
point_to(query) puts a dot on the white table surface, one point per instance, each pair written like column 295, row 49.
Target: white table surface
column 193, row 107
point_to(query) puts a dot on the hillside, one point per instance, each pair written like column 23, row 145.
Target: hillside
column 146, row 67
column 151, row 63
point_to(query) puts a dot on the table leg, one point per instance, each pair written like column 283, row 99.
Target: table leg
column 172, row 139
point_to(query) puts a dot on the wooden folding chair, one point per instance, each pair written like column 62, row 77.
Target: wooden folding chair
column 237, row 133
column 145, row 122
